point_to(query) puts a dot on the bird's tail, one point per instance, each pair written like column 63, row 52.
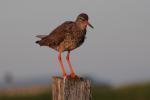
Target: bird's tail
column 38, row 42
column 41, row 42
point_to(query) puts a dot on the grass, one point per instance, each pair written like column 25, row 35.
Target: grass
column 41, row 96
column 133, row 92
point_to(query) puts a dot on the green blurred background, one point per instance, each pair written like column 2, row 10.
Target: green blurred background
column 99, row 92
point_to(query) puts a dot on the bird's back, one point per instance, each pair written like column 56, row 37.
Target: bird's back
column 67, row 36
column 56, row 36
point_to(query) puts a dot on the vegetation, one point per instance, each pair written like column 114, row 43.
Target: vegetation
column 132, row 92
column 41, row 96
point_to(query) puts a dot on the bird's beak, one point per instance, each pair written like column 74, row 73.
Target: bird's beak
column 90, row 25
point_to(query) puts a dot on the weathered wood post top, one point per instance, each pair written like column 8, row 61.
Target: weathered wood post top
column 71, row 89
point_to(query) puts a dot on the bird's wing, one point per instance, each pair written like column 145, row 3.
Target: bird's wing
column 41, row 36
column 58, row 34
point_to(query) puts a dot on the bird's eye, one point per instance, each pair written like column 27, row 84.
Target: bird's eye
column 82, row 19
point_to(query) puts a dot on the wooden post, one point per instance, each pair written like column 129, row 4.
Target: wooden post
column 71, row 89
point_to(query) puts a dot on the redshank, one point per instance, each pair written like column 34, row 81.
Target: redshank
column 66, row 37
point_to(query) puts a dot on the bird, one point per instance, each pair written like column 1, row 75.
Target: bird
column 67, row 37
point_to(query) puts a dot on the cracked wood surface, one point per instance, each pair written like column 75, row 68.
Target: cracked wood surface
column 71, row 89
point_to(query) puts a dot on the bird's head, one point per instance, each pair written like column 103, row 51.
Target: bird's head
column 82, row 21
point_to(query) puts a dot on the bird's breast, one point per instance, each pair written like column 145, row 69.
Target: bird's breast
column 72, row 41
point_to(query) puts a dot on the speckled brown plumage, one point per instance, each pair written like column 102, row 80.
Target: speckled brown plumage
column 68, row 36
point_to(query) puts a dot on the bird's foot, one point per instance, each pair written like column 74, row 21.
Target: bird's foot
column 72, row 75
column 65, row 75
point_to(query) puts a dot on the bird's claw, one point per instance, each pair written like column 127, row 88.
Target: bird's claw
column 72, row 75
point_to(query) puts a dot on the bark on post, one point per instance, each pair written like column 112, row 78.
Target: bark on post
column 71, row 89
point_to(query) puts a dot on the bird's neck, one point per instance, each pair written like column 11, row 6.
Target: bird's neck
column 80, row 25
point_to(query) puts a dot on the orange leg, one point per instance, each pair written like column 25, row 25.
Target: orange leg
column 69, row 64
column 61, row 64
